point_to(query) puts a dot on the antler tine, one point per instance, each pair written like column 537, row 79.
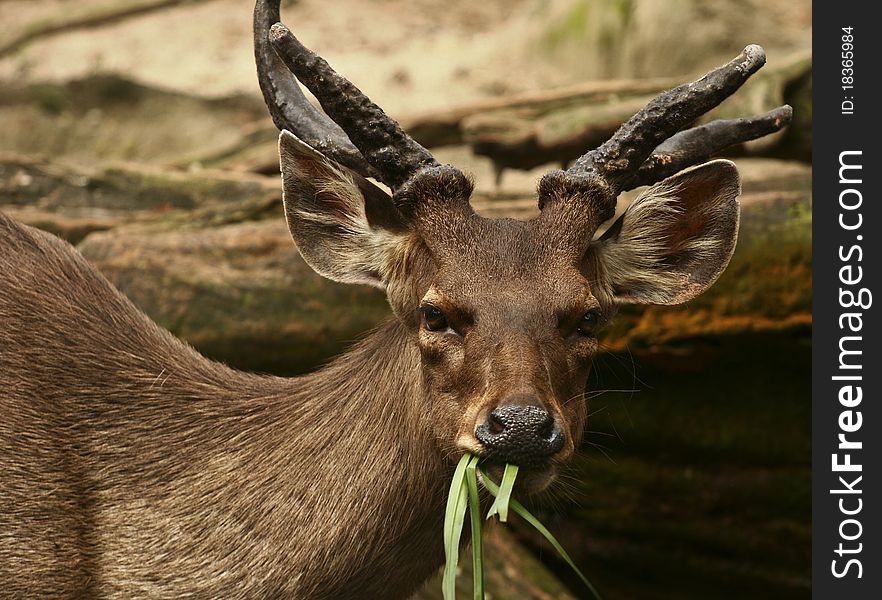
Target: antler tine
column 619, row 158
column 383, row 143
column 698, row 144
column 288, row 106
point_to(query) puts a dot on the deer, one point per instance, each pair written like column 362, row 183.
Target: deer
column 132, row 466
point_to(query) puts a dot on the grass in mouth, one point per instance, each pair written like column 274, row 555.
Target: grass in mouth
column 463, row 496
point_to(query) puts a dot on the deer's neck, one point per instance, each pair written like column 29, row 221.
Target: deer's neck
column 152, row 471
column 366, row 483
column 322, row 486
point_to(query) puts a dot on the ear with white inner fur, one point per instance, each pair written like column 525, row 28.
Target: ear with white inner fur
column 346, row 228
column 673, row 242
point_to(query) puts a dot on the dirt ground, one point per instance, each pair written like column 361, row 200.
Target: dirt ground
column 408, row 55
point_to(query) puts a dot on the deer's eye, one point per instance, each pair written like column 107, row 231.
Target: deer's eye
column 589, row 323
column 433, row 318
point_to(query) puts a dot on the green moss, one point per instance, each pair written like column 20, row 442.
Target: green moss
column 50, row 98
column 590, row 24
column 573, row 25
column 618, row 22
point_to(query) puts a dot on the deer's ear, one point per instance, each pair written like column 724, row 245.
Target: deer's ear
column 674, row 241
column 346, row 228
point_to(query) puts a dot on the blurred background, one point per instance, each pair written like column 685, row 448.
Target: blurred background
column 135, row 129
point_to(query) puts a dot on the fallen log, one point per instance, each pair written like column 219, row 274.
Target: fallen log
column 208, row 255
column 524, row 132
column 446, row 127
column 240, row 292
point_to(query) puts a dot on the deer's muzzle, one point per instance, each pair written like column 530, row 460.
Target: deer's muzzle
column 523, row 435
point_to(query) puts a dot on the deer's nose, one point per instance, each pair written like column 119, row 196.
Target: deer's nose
column 521, row 435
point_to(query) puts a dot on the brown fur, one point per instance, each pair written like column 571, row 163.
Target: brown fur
column 131, row 466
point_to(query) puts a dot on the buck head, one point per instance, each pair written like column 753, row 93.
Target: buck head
column 505, row 313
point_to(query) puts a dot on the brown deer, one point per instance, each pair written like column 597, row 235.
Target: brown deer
column 131, row 466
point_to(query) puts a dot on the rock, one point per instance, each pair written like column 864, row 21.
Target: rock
column 80, row 16
column 466, row 123
column 598, row 39
column 560, row 136
column 107, row 117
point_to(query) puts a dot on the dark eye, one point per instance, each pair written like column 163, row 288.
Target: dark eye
column 433, row 318
column 589, row 323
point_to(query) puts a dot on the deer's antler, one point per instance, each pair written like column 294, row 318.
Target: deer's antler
column 288, row 106
column 699, row 144
column 379, row 146
column 647, row 148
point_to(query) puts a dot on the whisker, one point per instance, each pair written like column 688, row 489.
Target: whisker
column 596, row 393
column 595, row 432
column 602, row 450
column 597, row 411
column 616, row 431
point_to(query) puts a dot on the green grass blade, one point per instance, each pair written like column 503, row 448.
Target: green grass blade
column 452, row 498
column 454, row 516
column 529, row 518
column 500, row 504
column 475, row 520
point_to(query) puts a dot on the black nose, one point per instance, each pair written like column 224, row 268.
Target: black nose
column 520, row 434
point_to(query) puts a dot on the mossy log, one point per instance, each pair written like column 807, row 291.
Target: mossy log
column 448, row 127
column 73, row 202
column 208, row 256
column 240, row 293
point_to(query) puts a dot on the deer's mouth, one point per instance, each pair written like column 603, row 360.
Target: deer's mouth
column 532, row 479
